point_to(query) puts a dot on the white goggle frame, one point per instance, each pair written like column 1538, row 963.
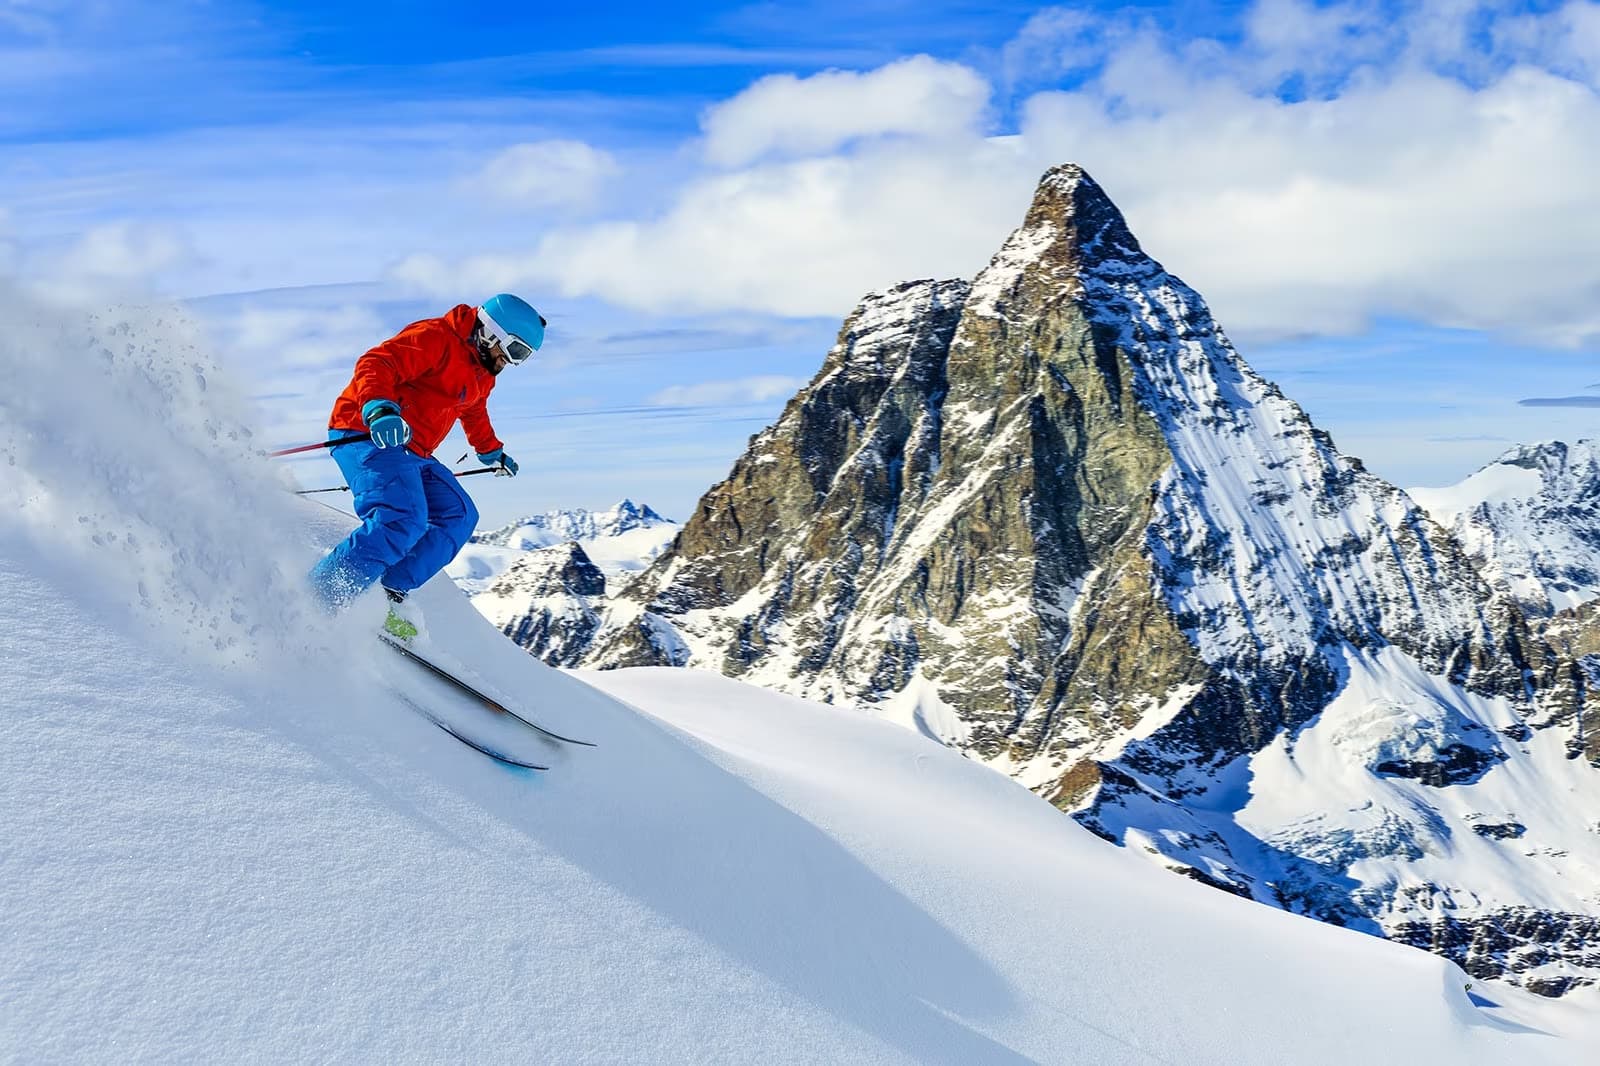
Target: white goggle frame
column 517, row 350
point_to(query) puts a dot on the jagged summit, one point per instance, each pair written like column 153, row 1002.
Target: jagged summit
column 1073, row 245
column 626, row 509
column 1073, row 202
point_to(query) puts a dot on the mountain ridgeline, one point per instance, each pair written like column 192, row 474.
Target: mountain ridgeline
column 1055, row 519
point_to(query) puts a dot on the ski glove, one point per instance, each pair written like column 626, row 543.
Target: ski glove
column 383, row 419
column 508, row 465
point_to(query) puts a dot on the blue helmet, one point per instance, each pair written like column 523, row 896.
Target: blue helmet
column 514, row 324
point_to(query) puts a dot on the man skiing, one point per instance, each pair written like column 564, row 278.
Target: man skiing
column 403, row 398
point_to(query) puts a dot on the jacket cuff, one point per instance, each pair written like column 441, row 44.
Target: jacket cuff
column 373, row 408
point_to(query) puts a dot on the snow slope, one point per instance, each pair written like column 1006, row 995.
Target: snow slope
column 226, row 840
column 202, row 865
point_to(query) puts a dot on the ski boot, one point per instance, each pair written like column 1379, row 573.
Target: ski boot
column 399, row 624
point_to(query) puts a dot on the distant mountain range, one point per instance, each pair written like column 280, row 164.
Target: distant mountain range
column 543, row 580
column 620, row 541
column 1531, row 520
column 1051, row 517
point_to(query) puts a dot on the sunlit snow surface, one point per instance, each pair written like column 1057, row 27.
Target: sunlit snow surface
column 227, row 840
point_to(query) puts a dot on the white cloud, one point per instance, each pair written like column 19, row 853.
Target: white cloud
column 797, row 238
column 1054, row 42
column 1416, row 197
column 123, row 252
column 1566, row 41
column 918, row 97
column 106, row 262
column 1312, row 40
column 554, row 173
column 292, row 339
column 759, row 389
column 1399, row 190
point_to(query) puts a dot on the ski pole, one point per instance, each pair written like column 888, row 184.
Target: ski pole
column 324, row 444
column 346, row 488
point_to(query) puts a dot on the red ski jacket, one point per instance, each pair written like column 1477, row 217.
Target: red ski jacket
column 431, row 370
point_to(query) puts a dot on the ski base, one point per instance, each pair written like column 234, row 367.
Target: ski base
column 476, row 745
column 488, row 701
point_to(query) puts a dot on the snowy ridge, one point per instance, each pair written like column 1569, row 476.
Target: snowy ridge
column 621, row 541
column 1531, row 520
column 1270, row 538
column 576, row 524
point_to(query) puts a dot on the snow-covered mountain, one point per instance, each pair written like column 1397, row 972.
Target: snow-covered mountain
column 227, row 836
column 1531, row 520
column 620, row 541
column 1052, row 518
column 547, row 602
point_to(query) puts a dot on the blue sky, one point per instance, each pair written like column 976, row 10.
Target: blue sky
column 1389, row 206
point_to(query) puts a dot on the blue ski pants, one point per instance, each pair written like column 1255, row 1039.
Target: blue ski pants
column 414, row 514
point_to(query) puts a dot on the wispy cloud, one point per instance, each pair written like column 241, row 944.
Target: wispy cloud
column 917, row 97
column 758, row 389
column 555, row 173
column 1560, row 401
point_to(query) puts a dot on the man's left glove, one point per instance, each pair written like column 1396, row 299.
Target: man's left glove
column 384, row 424
column 498, row 457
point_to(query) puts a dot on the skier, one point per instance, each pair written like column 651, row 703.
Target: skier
column 406, row 394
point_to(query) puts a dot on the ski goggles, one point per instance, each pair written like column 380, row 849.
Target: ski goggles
column 515, row 348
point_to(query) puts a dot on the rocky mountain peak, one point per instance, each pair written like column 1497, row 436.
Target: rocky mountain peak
column 542, row 602
column 1075, row 205
column 562, row 569
column 630, row 515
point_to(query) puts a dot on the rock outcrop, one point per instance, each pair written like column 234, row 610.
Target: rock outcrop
column 545, row 602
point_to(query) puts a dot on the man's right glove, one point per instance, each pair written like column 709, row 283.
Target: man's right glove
column 383, row 420
column 498, row 457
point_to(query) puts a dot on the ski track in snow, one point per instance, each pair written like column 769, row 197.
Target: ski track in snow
column 226, row 840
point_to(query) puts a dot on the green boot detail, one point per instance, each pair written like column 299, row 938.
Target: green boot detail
column 396, row 626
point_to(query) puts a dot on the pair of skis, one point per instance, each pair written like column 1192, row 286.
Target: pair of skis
column 488, row 701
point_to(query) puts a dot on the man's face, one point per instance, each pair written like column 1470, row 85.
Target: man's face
column 495, row 360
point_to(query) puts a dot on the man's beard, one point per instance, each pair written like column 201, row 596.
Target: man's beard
column 488, row 361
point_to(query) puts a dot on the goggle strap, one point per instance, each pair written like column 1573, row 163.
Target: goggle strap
column 500, row 333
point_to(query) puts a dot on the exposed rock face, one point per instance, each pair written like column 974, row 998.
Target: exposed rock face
column 1051, row 517
column 542, row 602
column 1539, row 949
